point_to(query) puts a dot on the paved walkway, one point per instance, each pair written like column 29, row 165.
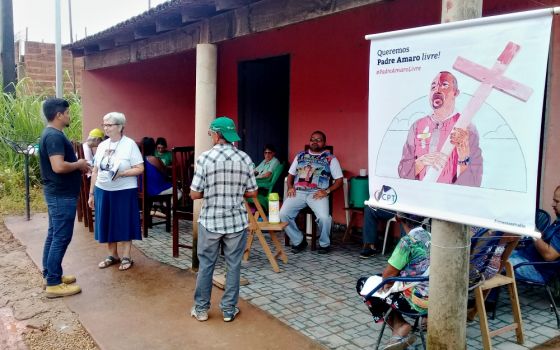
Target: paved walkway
column 315, row 294
column 146, row 307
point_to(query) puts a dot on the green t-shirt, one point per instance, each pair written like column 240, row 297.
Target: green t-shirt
column 265, row 167
column 412, row 258
column 165, row 157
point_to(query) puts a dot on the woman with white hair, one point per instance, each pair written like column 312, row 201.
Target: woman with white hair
column 118, row 162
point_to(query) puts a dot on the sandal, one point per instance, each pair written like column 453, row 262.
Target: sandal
column 126, row 263
column 110, row 260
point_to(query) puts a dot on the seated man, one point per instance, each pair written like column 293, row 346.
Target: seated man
column 263, row 171
column 546, row 248
column 309, row 184
column 369, row 231
column 410, row 258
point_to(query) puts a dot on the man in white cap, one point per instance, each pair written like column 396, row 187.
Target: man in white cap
column 223, row 176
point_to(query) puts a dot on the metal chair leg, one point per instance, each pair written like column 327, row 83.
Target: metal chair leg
column 553, row 305
column 382, row 329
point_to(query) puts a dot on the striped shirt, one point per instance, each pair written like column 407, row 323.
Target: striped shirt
column 224, row 174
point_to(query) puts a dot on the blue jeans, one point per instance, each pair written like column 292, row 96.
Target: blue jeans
column 371, row 218
column 62, row 212
column 527, row 272
column 208, row 247
column 320, row 207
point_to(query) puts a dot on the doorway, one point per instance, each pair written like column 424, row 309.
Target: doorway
column 264, row 101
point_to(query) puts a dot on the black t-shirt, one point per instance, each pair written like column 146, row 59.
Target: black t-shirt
column 54, row 142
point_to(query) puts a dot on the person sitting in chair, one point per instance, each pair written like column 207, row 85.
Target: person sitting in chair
column 313, row 193
column 369, row 231
column 546, row 248
column 156, row 173
column 263, row 171
column 161, row 151
column 411, row 258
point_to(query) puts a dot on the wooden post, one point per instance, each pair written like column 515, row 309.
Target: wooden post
column 449, row 257
column 205, row 112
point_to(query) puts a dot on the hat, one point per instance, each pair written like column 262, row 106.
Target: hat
column 97, row 133
column 226, row 127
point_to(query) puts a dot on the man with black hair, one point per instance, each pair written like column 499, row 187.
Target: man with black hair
column 60, row 172
column 309, row 184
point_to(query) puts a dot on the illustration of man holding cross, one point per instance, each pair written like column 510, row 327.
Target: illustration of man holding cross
column 427, row 136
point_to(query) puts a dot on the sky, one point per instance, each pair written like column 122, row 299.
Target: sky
column 93, row 16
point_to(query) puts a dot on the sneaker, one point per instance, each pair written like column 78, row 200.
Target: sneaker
column 368, row 253
column 324, row 250
column 66, row 279
column 300, row 247
column 230, row 315
column 62, row 290
column 199, row 315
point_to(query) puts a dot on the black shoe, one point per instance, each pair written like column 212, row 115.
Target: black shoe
column 300, row 247
column 368, row 252
column 324, row 250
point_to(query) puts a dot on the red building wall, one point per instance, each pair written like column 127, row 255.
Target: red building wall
column 157, row 98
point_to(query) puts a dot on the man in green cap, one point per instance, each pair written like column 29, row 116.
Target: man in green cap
column 223, row 176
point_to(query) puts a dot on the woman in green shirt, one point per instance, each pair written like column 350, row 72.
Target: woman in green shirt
column 162, row 152
column 263, row 171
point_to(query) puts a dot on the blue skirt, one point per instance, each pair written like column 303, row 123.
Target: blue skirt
column 117, row 217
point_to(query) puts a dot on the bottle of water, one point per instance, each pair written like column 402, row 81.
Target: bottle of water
column 273, row 208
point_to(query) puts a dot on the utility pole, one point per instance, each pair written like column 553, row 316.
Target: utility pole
column 58, row 50
column 71, row 42
column 7, row 47
column 449, row 251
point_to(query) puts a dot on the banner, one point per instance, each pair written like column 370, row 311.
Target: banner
column 455, row 114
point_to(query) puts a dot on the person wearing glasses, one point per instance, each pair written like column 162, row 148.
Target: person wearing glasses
column 309, row 184
column 264, row 170
column 118, row 162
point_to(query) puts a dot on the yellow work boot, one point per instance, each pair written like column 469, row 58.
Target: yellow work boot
column 66, row 279
column 62, row 290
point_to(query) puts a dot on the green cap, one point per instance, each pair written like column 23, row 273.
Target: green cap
column 226, row 127
column 273, row 197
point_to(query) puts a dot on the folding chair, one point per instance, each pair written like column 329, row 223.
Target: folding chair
column 418, row 317
column 257, row 227
column 490, row 251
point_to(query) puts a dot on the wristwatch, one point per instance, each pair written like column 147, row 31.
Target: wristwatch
column 328, row 190
column 465, row 161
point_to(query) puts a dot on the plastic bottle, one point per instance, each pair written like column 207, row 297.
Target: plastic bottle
column 273, row 208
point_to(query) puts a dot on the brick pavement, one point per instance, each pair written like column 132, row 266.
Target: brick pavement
column 315, row 295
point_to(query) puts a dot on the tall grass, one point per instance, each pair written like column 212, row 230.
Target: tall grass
column 21, row 120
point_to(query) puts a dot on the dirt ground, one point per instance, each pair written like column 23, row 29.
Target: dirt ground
column 28, row 320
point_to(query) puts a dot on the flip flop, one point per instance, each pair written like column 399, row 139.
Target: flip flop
column 110, row 260
column 126, row 263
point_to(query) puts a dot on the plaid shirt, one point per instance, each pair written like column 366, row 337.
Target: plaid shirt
column 224, row 174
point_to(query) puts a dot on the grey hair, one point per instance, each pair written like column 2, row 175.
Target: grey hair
column 115, row 118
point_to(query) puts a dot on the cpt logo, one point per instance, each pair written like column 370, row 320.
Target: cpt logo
column 386, row 194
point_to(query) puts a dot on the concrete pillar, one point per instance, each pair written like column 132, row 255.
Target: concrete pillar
column 449, row 252
column 205, row 113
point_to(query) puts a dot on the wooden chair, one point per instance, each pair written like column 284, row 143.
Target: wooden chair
column 490, row 251
column 257, row 227
column 85, row 213
column 182, row 175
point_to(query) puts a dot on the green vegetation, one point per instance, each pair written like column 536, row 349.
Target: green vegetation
column 21, row 120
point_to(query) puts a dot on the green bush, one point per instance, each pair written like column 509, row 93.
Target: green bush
column 21, row 120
